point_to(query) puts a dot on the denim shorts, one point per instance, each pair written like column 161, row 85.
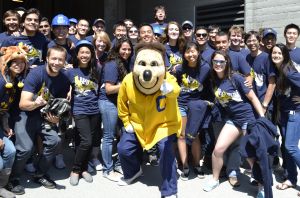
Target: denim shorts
column 244, row 127
column 183, row 110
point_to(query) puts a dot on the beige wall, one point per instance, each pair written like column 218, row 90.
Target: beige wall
column 271, row 13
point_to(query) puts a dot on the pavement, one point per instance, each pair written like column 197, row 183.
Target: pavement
column 145, row 187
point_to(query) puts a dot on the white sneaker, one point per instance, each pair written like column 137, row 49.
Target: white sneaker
column 97, row 164
column 30, row 168
column 59, row 161
column 90, row 167
column 112, row 176
column 125, row 182
column 210, row 185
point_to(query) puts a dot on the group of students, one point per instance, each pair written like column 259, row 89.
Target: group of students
column 232, row 84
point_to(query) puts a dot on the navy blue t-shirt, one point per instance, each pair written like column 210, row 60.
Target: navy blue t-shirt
column 239, row 63
column 263, row 70
column 173, row 56
column 74, row 39
column 207, row 53
column 191, row 81
column 243, row 51
column 37, row 46
column 7, row 95
column 162, row 26
column 84, row 92
column 110, row 74
column 287, row 104
column 38, row 80
column 3, row 36
column 295, row 55
column 231, row 94
column 70, row 52
column 90, row 38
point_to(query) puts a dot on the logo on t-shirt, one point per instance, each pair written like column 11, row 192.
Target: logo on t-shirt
column 33, row 53
column 225, row 97
column 190, row 84
column 83, row 86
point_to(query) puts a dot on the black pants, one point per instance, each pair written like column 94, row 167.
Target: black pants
column 88, row 129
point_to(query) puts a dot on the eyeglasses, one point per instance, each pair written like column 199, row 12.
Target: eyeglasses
column 157, row 35
column 219, row 62
column 133, row 31
column 199, row 35
column 187, row 28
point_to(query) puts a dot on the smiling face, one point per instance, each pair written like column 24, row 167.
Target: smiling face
column 219, row 64
column 277, row 56
column 191, row 55
column 11, row 23
column 84, row 56
column 291, row 36
column 148, row 71
column 173, row 32
column 56, row 61
column 17, row 66
column 31, row 23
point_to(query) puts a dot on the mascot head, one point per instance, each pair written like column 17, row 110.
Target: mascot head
column 149, row 67
column 8, row 54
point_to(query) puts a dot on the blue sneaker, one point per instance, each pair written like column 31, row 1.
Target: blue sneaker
column 210, row 185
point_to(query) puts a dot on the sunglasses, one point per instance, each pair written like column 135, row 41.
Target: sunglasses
column 219, row 62
column 133, row 31
column 157, row 35
column 199, row 35
column 187, row 28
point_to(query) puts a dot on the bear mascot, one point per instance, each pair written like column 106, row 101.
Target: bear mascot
column 148, row 108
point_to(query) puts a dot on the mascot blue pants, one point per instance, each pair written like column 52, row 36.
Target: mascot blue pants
column 130, row 152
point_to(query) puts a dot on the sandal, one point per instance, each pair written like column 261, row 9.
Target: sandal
column 285, row 185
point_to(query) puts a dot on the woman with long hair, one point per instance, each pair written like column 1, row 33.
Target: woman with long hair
column 191, row 76
column 236, row 102
column 288, row 112
column 115, row 69
column 174, row 41
column 84, row 78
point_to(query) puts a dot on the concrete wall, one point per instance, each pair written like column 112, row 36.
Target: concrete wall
column 271, row 13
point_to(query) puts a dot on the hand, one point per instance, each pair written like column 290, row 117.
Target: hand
column 248, row 84
column 1, row 144
column 32, row 66
column 68, row 66
column 16, row 33
column 40, row 101
column 9, row 133
column 51, row 118
column 129, row 129
column 296, row 99
column 166, row 88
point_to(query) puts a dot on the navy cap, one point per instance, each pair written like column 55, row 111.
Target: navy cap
column 269, row 31
column 187, row 23
column 99, row 20
column 73, row 20
column 84, row 43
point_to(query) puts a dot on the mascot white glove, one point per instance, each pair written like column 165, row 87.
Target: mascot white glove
column 166, row 87
column 129, row 129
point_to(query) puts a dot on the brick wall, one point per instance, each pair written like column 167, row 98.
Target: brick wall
column 271, row 13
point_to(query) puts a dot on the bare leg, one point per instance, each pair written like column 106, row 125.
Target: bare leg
column 228, row 135
column 182, row 145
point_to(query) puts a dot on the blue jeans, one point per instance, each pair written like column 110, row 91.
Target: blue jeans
column 7, row 155
column 26, row 128
column 109, row 114
column 292, row 140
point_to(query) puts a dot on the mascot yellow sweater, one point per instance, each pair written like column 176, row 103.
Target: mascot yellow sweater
column 153, row 117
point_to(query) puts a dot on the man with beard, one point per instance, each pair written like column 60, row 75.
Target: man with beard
column 268, row 39
column 41, row 83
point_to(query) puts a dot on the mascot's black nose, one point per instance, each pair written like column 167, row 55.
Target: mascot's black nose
column 147, row 75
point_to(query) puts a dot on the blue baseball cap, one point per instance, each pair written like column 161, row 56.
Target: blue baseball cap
column 269, row 31
column 84, row 43
column 73, row 20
